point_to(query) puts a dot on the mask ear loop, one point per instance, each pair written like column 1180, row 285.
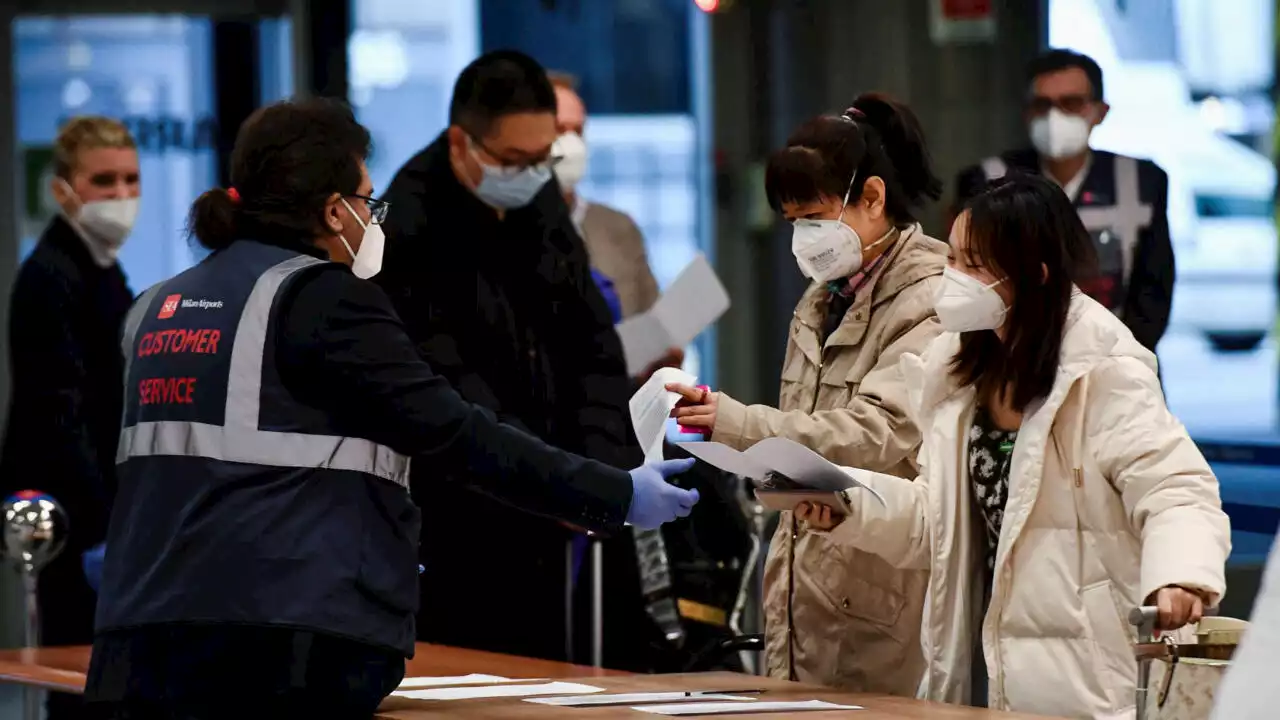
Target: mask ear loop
column 346, row 244
column 852, row 114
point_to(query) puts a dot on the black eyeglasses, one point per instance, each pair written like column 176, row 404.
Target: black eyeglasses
column 377, row 208
column 509, row 165
column 1069, row 104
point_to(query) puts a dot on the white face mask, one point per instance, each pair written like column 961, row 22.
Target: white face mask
column 828, row 249
column 367, row 261
column 109, row 222
column 965, row 304
column 572, row 167
column 1058, row 135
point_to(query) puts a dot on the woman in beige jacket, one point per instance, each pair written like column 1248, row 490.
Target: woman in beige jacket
column 835, row 615
column 1056, row 493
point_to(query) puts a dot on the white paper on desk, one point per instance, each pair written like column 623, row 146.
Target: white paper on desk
column 496, row 691
column 633, row 699
column 650, row 407
column 472, row 679
column 694, row 301
column 779, row 455
column 732, row 708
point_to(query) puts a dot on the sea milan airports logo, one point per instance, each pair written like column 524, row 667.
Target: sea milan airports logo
column 169, row 307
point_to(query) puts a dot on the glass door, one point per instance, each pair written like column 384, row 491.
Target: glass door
column 156, row 72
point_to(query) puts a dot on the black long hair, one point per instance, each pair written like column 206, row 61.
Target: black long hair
column 1023, row 228
column 876, row 136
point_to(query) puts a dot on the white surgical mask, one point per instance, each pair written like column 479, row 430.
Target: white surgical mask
column 108, row 222
column 509, row 189
column 1058, row 135
column 367, row 261
column 965, row 304
column 572, row 167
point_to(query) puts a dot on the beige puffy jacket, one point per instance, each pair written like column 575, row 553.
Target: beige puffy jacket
column 835, row 615
column 1109, row 500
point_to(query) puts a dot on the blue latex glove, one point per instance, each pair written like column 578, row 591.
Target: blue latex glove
column 92, row 561
column 605, row 285
column 654, row 501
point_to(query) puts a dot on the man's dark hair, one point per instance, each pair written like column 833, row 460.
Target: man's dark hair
column 1018, row 229
column 876, row 136
column 1058, row 59
column 289, row 158
column 496, row 84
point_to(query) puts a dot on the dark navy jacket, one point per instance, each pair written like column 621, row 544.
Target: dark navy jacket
column 251, row 498
column 1135, row 274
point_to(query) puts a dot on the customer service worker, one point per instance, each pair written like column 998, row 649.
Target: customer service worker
column 262, row 555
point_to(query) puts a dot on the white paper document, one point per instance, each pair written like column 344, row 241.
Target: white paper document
column 472, row 679
column 634, row 699
column 690, row 305
column 497, row 691
column 651, row 406
column 733, row 708
column 816, row 478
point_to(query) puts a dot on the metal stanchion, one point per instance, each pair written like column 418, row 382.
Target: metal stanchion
column 35, row 531
column 597, row 603
column 569, row 649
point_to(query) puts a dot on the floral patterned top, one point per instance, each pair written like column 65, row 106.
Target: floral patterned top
column 990, row 455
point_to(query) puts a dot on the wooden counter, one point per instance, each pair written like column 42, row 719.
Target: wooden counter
column 63, row 669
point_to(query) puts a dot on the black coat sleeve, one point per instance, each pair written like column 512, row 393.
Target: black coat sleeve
column 48, row 351
column 1150, row 294
column 428, row 317
column 343, row 349
column 596, row 384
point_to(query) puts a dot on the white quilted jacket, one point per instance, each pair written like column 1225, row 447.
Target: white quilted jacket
column 1109, row 500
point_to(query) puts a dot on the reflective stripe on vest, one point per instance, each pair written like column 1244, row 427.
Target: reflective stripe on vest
column 239, row 439
column 1127, row 218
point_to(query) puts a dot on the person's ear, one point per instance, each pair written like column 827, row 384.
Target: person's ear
column 1101, row 113
column 62, row 193
column 333, row 214
column 873, row 197
column 1044, row 273
column 457, row 142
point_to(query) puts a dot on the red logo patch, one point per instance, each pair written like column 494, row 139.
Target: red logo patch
column 169, row 307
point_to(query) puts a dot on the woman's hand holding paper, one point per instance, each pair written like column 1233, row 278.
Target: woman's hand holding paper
column 697, row 407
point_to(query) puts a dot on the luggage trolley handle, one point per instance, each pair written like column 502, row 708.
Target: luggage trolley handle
column 1150, row 647
column 1144, row 620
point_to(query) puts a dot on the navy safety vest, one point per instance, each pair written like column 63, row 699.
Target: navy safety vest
column 237, row 503
column 1115, row 227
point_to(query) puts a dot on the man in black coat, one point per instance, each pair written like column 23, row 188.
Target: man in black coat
column 1123, row 201
column 68, row 304
column 493, row 283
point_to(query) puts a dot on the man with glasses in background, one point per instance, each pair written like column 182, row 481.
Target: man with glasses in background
column 492, row 281
column 1123, row 201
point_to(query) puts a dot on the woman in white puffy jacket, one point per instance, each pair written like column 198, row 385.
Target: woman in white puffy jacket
column 1056, row 491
